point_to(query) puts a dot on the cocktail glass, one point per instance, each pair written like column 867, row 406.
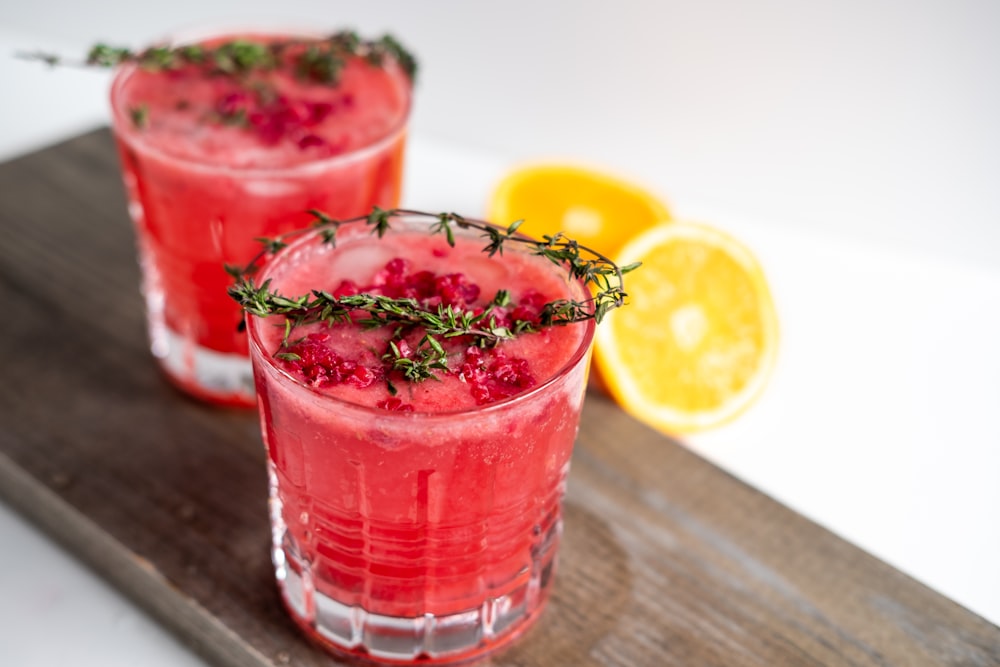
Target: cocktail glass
column 200, row 191
column 427, row 535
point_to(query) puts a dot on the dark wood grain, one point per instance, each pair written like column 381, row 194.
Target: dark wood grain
column 666, row 559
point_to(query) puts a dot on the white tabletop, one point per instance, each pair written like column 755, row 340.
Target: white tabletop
column 855, row 156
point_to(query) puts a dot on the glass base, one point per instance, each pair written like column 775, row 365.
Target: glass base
column 429, row 639
column 214, row 377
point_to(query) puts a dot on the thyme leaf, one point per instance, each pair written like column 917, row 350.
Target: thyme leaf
column 318, row 60
column 596, row 271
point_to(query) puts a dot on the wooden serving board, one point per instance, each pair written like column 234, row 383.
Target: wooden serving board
column 666, row 560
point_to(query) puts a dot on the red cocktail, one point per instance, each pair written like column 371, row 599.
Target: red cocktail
column 419, row 418
column 236, row 139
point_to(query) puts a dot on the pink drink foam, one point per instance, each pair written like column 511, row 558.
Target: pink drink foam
column 363, row 260
column 295, row 122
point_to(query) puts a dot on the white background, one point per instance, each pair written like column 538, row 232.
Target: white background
column 853, row 145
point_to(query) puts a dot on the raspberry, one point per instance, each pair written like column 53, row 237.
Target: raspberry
column 279, row 118
column 318, row 112
column 421, row 284
column 396, row 266
column 493, row 376
column 451, row 289
column 404, row 348
column 312, row 140
column 512, row 372
column 232, row 104
column 391, row 280
column 471, row 370
column 322, row 367
column 346, row 288
column 490, row 374
column 510, row 375
column 455, row 290
column 529, row 307
column 362, row 377
column 481, row 394
column 394, row 404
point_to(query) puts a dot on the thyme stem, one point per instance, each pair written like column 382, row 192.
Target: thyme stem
column 590, row 267
column 319, row 60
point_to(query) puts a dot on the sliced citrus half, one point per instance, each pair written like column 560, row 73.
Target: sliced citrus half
column 597, row 209
column 698, row 339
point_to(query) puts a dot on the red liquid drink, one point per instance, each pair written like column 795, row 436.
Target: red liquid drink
column 211, row 162
column 416, row 521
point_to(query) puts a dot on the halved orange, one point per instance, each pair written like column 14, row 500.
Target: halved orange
column 697, row 341
column 599, row 210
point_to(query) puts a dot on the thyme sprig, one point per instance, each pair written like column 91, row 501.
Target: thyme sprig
column 319, row 60
column 594, row 270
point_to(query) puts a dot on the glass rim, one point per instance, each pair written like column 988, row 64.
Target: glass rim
column 254, row 322
column 121, row 123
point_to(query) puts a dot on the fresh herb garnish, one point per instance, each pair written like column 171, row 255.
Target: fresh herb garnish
column 139, row 115
column 319, row 60
column 439, row 322
column 252, row 103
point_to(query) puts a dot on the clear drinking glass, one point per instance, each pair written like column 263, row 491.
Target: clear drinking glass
column 425, row 535
column 211, row 163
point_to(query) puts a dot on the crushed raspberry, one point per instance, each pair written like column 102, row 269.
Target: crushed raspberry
column 404, row 348
column 396, row 266
column 481, row 394
column 394, row 404
column 394, row 282
column 455, row 290
column 390, row 279
column 312, row 140
column 362, row 376
column 490, row 373
column 529, row 307
column 493, row 376
column 420, row 285
column 319, row 111
column 276, row 118
column 346, row 288
column 512, row 372
column 233, row 104
column 511, row 375
column 452, row 289
column 471, row 370
column 315, row 361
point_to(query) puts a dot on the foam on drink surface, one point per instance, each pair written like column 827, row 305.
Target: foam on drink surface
column 275, row 119
column 476, row 375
